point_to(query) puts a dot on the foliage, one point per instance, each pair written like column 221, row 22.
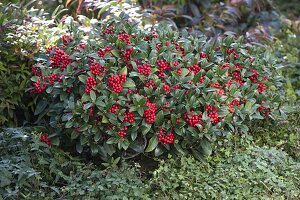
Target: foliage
column 287, row 49
column 212, row 17
column 31, row 170
column 23, row 33
column 255, row 173
column 118, row 87
column 284, row 135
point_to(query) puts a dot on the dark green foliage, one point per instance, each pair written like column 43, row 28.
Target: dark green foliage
column 31, row 170
column 255, row 173
column 284, row 135
column 14, row 71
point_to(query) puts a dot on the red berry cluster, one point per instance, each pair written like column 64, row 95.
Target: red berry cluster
column 179, row 72
column 124, row 37
column 193, row 119
column 66, row 39
column 194, row 68
column 238, row 67
column 122, row 133
column 91, row 111
column 158, row 46
column 114, row 108
column 60, row 58
column 212, row 113
column 166, row 88
column 215, row 85
column 82, row 46
column 90, row 83
column 179, row 49
column 203, row 55
column 253, row 77
column 176, row 63
column 154, row 34
column 235, row 102
column 150, row 83
column 237, row 77
column 36, row 71
column 41, row 84
column 163, row 66
column 97, row 69
column 128, row 117
column 101, row 53
column 261, row 87
column 50, row 49
column 126, row 56
column 149, row 114
column 44, row 138
column 144, row 69
column 225, row 66
column 107, row 31
column 266, row 111
column 231, row 51
column 165, row 138
column 115, row 82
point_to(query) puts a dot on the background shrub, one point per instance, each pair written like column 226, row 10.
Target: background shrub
column 24, row 32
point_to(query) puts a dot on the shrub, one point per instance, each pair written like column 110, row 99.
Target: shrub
column 31, row 170
column 119, row 87
column 23, row 33
column 256, row 173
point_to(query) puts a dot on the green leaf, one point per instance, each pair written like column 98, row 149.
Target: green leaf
column 145, row 128
column 123, row 71
column 206, row 147
column 79, row 147
column 82, row 78
column 129, row 83
column 159, row 118
column 74, row 135
column 185, row 72
column 40, row 107
column 35, row 78
column 93, row 96
column 153, row 142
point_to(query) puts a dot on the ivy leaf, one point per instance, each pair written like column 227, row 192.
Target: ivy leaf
column 153, row 142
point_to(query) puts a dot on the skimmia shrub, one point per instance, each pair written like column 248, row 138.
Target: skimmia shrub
column 119, row 87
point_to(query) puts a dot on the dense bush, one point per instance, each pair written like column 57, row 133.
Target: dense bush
column 31, row 170
column 256, row 173
column 117, row 87
column 24, row 32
